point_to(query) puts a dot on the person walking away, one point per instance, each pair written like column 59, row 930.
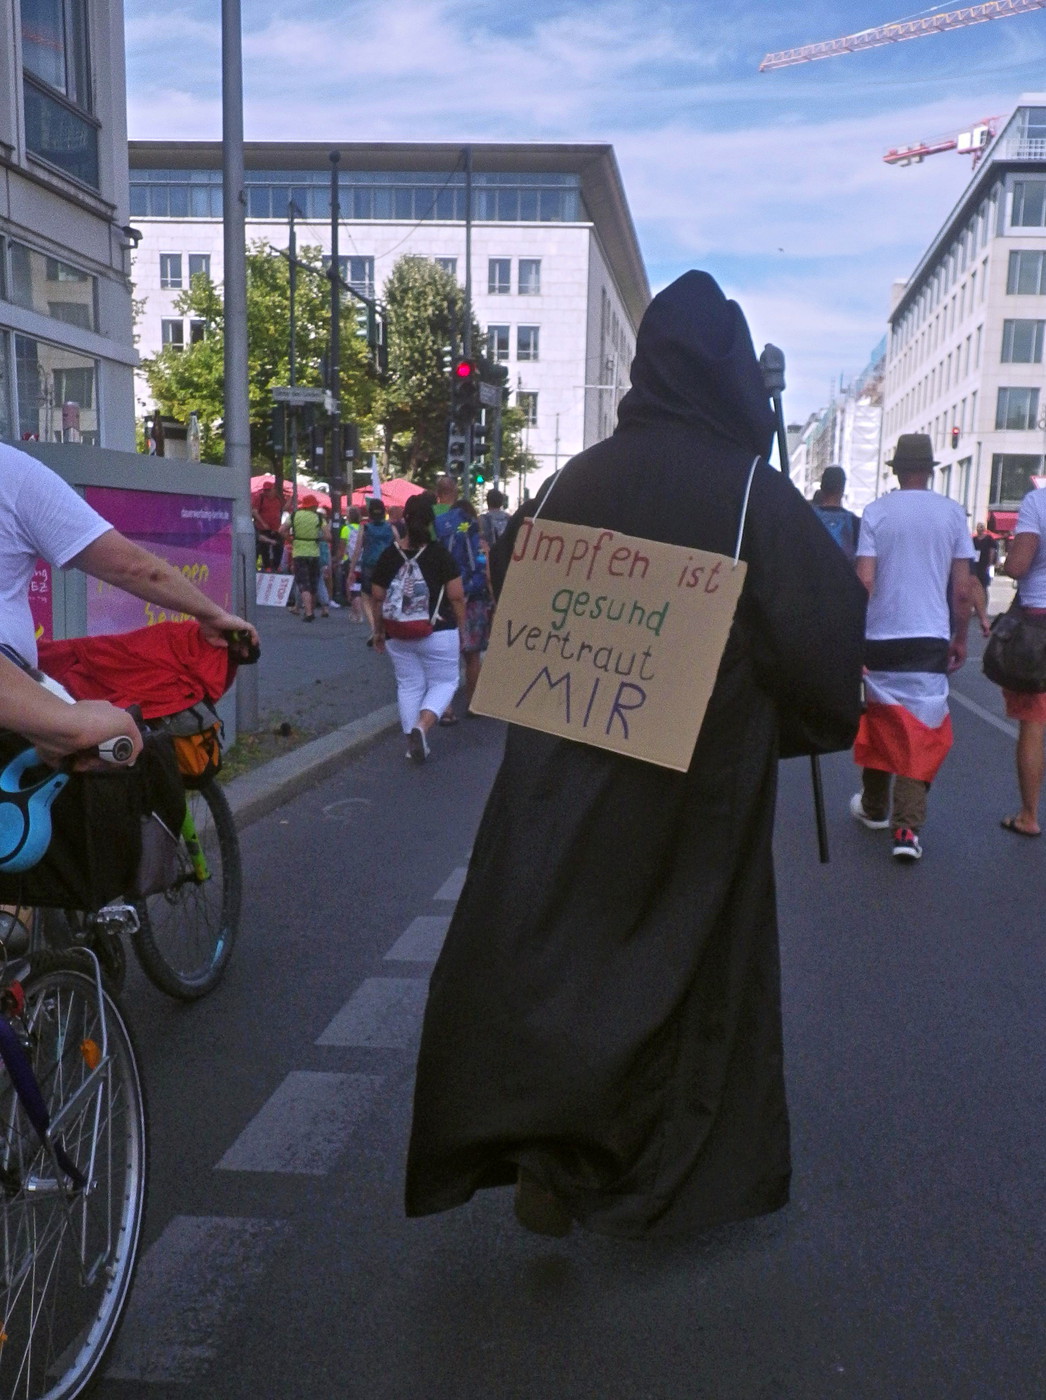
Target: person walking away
column 419, row 610
column 350, row 533
column 604, row 1023
column 325, row 587
column 985, row 544
column 374, row 538
column 267, row 514
column 304, row 529
column 457, row 529
column 494, row 519
column 913, row 557
column 1026, row 562
column 843, row 526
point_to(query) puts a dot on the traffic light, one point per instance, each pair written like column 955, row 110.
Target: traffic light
column 457, row 450
column 479, row 440
column 955, row 437
column 465, row 391
column 278, row 430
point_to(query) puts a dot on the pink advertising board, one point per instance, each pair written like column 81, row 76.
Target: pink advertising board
column 194, row 533
column 40, row 601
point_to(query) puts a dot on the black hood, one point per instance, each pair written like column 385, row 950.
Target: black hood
column 695, row 363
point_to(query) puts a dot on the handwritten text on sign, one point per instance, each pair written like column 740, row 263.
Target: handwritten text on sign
column 608, row 639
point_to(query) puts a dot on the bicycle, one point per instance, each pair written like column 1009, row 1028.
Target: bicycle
column 73, row 1168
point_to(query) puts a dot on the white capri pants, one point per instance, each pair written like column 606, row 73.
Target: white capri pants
column 426, row 673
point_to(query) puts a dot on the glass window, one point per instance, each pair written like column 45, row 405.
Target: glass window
column 499, row 276
column 172, row 333
column 199, row 265
column 60, row 136
column 448, row 265
column 360, row 275
column 54, row 46
column 259, row 202
column 1017, row 408
column 1026, row 273
column 1022, row 342
column 170, row 269
column 52, row 287
column 1012, row 474
column 6, row 423
column 46, row 377
column 197, row 331
column 529, row 276
column 527, row 342
column 527, row 403
column 497, row 343
column 1029, row 203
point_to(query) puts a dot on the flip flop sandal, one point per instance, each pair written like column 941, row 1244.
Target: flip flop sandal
column 447, row 720
column 1010, row 824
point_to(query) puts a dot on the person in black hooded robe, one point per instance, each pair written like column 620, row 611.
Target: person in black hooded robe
column 604, row 1023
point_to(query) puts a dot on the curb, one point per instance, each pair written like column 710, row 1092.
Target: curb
column 260, row 792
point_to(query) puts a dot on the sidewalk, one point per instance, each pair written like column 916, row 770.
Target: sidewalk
column 333, row 692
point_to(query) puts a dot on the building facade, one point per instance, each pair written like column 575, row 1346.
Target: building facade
column 846, row 434
column 66, row 347
column 965, row 344
column 558, row 283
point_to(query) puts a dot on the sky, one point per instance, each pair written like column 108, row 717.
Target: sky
column 773, row 182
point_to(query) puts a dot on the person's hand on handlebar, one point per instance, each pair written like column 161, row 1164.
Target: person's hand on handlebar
column 56, row 729
column 214, row 628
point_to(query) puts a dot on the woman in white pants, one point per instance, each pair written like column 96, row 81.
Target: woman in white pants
column 426, row 666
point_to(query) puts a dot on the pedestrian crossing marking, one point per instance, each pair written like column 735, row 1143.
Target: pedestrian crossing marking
column 305, row 1126
column 383, row 1013
column 191, row 1284
column 451, row 887
column 422, row 940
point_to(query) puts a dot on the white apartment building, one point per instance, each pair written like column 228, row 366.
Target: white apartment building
column 558, row 282
column 66, row 356
column 965, row 345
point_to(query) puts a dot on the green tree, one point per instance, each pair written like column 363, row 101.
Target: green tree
column 191, row 380
column 425, row 308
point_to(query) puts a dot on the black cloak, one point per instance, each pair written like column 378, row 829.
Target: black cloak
column 606, row 1008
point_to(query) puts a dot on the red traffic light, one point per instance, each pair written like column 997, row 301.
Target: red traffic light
column 955, row 437
column 465, row 369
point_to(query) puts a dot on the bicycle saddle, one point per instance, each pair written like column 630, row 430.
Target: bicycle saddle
column 25, row 810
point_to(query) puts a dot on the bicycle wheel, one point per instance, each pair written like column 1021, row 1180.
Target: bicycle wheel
column 187, row 933
column 68, row 1255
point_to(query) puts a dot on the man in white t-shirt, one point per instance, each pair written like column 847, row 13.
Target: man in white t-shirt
column 43, row 517
column 1026, row 562
column 913, row 557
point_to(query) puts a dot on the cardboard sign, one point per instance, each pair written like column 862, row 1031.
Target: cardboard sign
column 272, row 590
column 608, row 639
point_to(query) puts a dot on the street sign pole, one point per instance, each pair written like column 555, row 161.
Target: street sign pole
column 237, row 408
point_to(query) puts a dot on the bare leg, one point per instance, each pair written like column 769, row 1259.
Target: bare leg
column 980, row 603
column 426, row 719
column 307, row 602
column 1031, row 766
column 472, row 664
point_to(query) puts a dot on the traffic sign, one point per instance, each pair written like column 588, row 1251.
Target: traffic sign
column 298, row 395
column 489, row 395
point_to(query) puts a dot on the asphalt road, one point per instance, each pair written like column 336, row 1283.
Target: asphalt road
column 910, row 1264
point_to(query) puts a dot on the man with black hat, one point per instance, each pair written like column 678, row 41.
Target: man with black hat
column 913, row 557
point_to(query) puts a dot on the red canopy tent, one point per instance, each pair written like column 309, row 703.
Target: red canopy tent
column 394, row 493
column 304, row 489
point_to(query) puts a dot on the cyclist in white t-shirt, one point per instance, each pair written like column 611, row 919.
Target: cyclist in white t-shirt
column 1026, row 562
column 43, row 517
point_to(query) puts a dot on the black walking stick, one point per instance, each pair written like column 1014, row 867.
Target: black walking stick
column 772, row 363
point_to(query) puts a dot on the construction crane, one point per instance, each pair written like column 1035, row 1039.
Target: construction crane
column 898, row 31
column 968, row 143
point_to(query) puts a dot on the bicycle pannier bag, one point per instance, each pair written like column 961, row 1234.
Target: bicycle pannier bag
column 197, row 733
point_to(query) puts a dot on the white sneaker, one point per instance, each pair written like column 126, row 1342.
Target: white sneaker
column 417, row 746
column 906, row 845
column 858, row 813
column 333, row 604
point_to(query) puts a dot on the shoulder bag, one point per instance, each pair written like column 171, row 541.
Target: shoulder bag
column 1015, row 656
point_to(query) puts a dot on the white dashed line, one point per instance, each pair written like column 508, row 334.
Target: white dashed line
column 1006, row 725
column 422, row 940
column 383, row 1013
column 451, row 887
column 305, row 1126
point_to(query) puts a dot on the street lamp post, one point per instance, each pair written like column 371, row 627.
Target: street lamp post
column 237, row 409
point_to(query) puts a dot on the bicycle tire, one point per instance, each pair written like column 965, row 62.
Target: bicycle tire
column 186, row 934
column 68, row 1258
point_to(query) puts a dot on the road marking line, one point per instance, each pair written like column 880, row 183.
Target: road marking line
column 422, row 940
column 305, row 1126
column 383, row 1012
column 1007, row 726
column 192, row 1282
column 451, row 887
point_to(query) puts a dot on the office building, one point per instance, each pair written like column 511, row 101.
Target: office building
column 965, row 345
column 558, row 282
column 66, row 353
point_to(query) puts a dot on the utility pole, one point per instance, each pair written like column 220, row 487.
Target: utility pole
column 292, row 244
column 237, row 408
column 337, row 463
column 466, row 333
